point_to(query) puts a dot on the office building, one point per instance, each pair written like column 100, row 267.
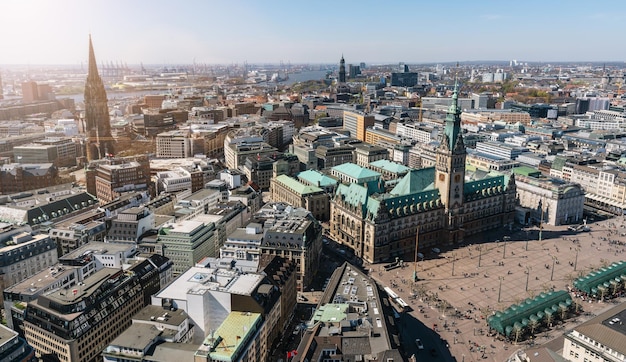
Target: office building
column 129, row 225
column 294, row 234
column 352, row 322
column 16, row 177
column 46, row 206
column 111, row 177
column 178, row 144
column 58, row 151
column 598, row 339
column 356, row 123
column 291, row 191
column 222, row 288
column 77, row 323
column 23, row 254
column 185, row 243
column 12, row 347
column 156, row 334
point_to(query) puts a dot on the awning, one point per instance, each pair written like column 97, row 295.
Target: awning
column 605, row 200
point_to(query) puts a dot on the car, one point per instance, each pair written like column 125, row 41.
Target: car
column 419, row 344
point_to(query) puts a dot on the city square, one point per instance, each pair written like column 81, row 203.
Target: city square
column 479, row 279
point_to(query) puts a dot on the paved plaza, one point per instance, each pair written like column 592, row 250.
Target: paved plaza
column 484, row 276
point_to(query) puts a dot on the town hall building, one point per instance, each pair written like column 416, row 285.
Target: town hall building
column 441, row 204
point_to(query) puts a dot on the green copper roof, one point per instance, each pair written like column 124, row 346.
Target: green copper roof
column 355, row 194
column 390, row 166
column 317, row 178
column 297, row 186
column 453, row 120
column 474, row 187
column 558, row 162
column 356, row 171
column 415, row 181
column 526, row 171
column 331, row 312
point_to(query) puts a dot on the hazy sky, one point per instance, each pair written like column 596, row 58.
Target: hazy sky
column 266, row 31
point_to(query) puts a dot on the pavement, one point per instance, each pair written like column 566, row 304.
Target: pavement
column 487, row 275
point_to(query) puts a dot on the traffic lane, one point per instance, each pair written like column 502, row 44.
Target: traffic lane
column 412, row 328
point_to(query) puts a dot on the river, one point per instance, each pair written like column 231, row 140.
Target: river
column 113, row 95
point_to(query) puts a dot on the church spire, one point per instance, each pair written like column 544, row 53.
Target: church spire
column 453, row 119
column 97, row 121
column 93, row 66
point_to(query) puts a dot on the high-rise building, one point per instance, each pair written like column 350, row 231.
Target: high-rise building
column 342, row 70
column 97, row 121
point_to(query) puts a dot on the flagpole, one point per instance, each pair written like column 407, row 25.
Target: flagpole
column 417, row 239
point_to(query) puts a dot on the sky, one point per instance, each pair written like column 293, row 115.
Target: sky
column 270, row 31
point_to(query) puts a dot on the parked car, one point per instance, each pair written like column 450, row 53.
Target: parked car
column 419, row 344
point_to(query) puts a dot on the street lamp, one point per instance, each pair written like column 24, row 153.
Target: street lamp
column 480, row 254
column 576, row 260
column 453, row 260
column 527, row 276
column 552, row 273
column 500, row 288
column 504, row 251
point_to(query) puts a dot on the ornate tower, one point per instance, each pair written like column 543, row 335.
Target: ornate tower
column 97, row 121
column 450, row 171
column 342, row 70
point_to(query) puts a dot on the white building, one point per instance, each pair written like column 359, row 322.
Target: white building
column 173, row 181
column 557, row 202
column 599, row 339
column 244, row 243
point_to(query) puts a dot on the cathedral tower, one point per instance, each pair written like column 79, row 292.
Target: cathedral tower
column 450, row 171
column 97, row 121
column 342, row 70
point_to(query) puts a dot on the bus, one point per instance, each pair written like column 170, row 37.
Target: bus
column 399, row 304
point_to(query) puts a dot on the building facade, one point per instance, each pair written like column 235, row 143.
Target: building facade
column 356, row 123
column 77, row 324
column 289, row 190
column 186, row 243
column 426, row 208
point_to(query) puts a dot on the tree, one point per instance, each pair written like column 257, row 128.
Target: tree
column 549, row 318
column 534, row 323
column 518, row 331
column 563, row 311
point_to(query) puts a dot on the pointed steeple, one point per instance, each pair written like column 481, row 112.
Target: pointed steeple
column 93, row 66
column 453, row 119
column 97, row 121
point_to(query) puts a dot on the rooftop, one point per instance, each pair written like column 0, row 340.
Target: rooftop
column 232, row 333
column 317, row 178
column 355, row 171
column 390, row 166
column 297, row 186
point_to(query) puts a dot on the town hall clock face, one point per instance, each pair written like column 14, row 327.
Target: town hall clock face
column 442, row 177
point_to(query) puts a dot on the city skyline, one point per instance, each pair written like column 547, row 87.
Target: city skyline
column 160, row 32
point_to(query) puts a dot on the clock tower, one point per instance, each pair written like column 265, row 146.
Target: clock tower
column 450, row 172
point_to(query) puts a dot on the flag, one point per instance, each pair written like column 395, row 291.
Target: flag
column 292, row 354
